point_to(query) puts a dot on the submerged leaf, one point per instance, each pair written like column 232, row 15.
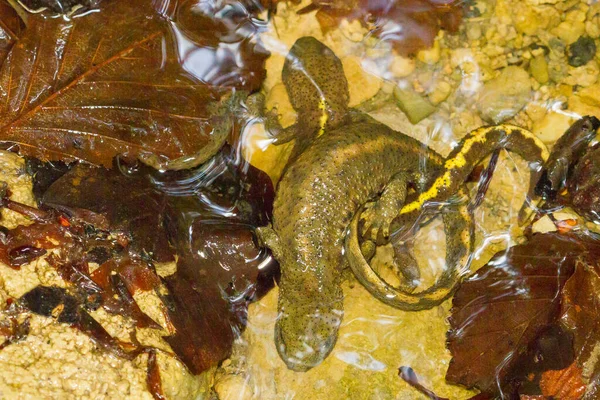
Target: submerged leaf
column 122, row 80
column 581, row 314
column 211, row 212
column 58, row 6
column 499, row 311
column 44, row 174
column 129, row 204
column 221, row 273
column 565, row 384
column 57, row 302
column 409, row 25
column 11, row 28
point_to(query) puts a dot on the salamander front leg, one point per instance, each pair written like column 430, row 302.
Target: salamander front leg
column 279, row 134
column 267, row 237
column 255, row 107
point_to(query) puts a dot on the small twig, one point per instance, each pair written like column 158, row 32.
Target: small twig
column 23, row 209
column 409, row 376
column 484, row 181
column 28, row 211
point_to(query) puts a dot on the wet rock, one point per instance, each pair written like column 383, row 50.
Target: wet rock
column 504, row 96
column 581, row 52
column 552, row 126
column 233, row 387
column 539, row 69
column 364, row 85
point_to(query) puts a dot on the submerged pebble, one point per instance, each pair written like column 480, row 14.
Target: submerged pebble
column 581, row 52
column 504, row 96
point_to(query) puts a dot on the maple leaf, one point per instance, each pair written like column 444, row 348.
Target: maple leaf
column 122, row 79
column 499, row 311
column 11, row 27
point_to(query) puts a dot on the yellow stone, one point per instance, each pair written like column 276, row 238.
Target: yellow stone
column 569, row 31
column 590, row 95
column 258, row 150
column 430, row 56
column 579, row 106
column 552, row 126
column 362, row 84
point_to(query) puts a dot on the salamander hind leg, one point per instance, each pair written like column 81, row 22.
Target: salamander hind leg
column 406, row 266
column 476, row 145
column 458, row 226
column 378, row 217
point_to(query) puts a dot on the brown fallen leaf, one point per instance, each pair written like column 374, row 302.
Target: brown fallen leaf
column 581, row 314
column 153, row 379
column 116, row 279
column 124, row 79
column 58, row 6
column 206, row 300
column 217, row 277
column 211, row 214
column 499, row 311
column 57, row 302
column 566, row 384
column 11, row 28
column 129, row 204
column 410, row 25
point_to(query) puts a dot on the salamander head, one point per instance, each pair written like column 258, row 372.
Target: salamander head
column 305, row 336
column 314, row 78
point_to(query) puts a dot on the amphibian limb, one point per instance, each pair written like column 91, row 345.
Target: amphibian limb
column 472, row 149
column 458, row 226
column 341, row 161
column 316, row 200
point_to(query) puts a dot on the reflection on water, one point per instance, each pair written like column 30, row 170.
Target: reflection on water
column 217, row 43
column 209, row 213
column 361, row 360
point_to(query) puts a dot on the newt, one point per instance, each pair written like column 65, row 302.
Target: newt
column 343, row 160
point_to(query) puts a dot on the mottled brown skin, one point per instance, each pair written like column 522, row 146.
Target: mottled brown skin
column 316, row 200
column 331, row 177
column 309, row 73
column 576, row 167
column 566, row 153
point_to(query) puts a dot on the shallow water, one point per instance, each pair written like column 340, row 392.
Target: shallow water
column 160, row 82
